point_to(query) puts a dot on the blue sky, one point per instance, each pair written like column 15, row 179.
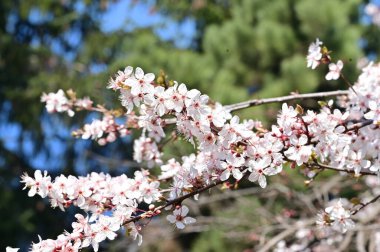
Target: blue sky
column 127, row 15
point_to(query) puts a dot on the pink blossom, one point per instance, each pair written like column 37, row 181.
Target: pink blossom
column 121, row 77
column 141, row 83
column 40, row 184
column 57, row 102
column 299, row 151
column 335, row 70
column 260, row 168
column 314, row 54
column 179, row 217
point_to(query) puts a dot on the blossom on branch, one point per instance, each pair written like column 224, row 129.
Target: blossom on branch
column 179, row 217
column 314, row 55
column 335, row 70
column 336, row 217
column 225, row 150
column 57, row 102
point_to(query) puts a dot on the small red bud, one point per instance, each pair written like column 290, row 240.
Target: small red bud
column 293, row 165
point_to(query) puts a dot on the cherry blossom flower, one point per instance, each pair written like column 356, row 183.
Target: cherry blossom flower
column 299, row 151
column 169, row 169
column 179, row 217
column 232, row 165
column 145, row 149
column 105, row 228
column 335, row 70
column 287, row 118
column 314, row 54
column 374, row 113
column 176, row 97
column 104, row 131
column 39, row 185
column 150, row 191
column 357, row 161
column 84, row 103
column 121, row 77
column 9, row 249
column 82, row 224
column 162, row 96
column 134, row 232
column 195, row 103
column 128, row 100
column 259, row 169
column 340, row 217
column 219, row 115
column 57, row 102
column 375, row 167
column 94, row 130
column 141, row 83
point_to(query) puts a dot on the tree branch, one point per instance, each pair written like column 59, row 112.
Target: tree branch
column 256, row 102
column 287, row 232
column 363, row 205
column 171, row 202
column 358, row 125
column 323, row 166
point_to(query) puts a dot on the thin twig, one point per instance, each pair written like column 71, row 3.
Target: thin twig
column 358, row 125
column 363, row 205
column 348, row 83
column 256, row 102
column 172, row 202
column 346, row 242
column 323, row 166
column 287, row 232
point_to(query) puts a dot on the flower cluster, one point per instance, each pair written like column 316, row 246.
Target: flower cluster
column 335, row 143
column 109, row 201
column 226, row 148
column 317, row 55
column 337, row 217
column 103, row 131
column 94, row 193
column 59, row 102
column 89, row 233
column 145, row 149
column 314, row 55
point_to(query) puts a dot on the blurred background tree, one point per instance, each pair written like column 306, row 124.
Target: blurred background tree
column 230, row 50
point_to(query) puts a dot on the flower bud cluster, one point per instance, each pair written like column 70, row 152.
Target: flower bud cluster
column 317, row 55
column 59, row 102
column 103, row 131
column 336, row 217
column 109, row 201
